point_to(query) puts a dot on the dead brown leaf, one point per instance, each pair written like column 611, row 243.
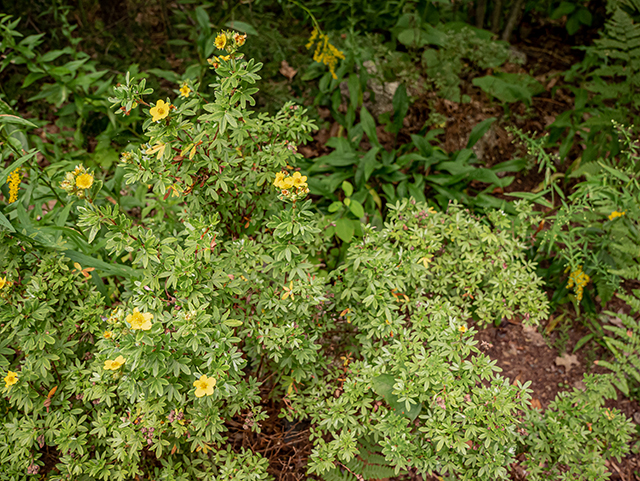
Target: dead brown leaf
column 567, row 360
column 287, row 70
column 532, row 335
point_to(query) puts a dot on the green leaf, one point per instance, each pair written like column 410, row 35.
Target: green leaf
column 584, row 16
column 354, row 90
column 479, row 130
column 400, row 104
column 369, row 126
column 348, row 188
column 335, row 206
column 14, row 119
column 4, row 222
column 583, row 340
column 5, row 173
column 241, row 26
column 232, row 322
column 344, row 229
column 356, row 208
column 565, row 8
column 383, row 386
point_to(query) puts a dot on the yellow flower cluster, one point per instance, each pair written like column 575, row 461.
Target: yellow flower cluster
column 115, row 364
column 14, row 185
column 139, row 321
column 77, row 182
column 229, row 41
column 325, row 52
column 204, row 385
column 292, row 187
column 615, row 214
column 578, row 280
column 10, row 379
column 3, row 282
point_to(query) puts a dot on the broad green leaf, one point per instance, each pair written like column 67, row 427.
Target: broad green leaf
column 356, row 208
column 344, row 229
column 383, row 386
column 348, row 188
column 14, row 119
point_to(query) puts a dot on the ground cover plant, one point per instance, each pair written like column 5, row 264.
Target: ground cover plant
column 251, row 251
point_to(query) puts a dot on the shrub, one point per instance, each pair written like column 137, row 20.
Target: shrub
column 217, row 301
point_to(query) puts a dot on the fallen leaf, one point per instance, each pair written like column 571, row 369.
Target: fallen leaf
column 567, row 360
column 287, row 70
column 535, row 403
column 532, row 335
column 616, row 321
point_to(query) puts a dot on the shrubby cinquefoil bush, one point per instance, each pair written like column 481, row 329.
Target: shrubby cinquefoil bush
column 221, row 289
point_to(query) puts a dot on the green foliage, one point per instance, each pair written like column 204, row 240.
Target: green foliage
column 594, row 230
column 415, row 356
column 624, row 344
column 368, row 464
column 454, row 50
column 576, row 434
column 509, row 88
column 619, row 52
column 415, row 169
column 147, row 306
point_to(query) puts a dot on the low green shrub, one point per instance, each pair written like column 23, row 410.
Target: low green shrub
column 189, row 288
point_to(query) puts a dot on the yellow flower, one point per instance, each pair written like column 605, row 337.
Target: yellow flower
column 115, row 364
column 160, row 111
column 288, row 291
column 239, row 39
column 462, row 329
column 220, row 41
column 159, row 148
column 325, row 52
column 14, row 185
column 225, row 57
column 139, row 321
column 204, row 385
column 578, row 280
column 185, row 91
column 10, row 379
column 3, row 281
column 279, row 178
column 108, row 334
column 615, row 214
column 298, row 179
column 286, row 183
column 84, row 181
